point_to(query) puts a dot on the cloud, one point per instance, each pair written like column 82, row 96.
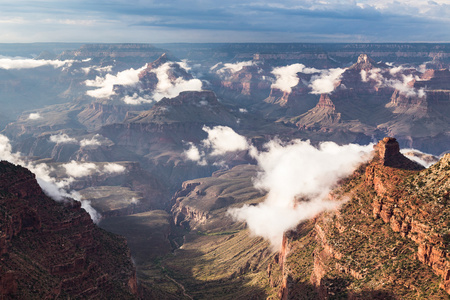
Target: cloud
column 135, row 99
column 231, row 21
column 78, row 169
column 233, row 68
column 297, row 177
column 106, row 69
column 194, row 154
column 104, row 85
column 167, row 87
column 223, row 139
column 34, row 116
column 62, row 138
column 326, row 82
column 220, row 140
column 113, row 168
column 425, row 159
column 93, row 142
column 18, row 63
column 286, row 77
column 400, row 82
column 56, row 189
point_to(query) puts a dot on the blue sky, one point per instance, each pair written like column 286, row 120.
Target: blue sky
column 225, row 21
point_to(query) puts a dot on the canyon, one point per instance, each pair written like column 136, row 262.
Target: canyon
column 147, row 135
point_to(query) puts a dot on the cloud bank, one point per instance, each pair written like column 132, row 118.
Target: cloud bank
column 400, row 82
column 76, row 169
column 297, row 177
column 18, row 63
column 166, row 87
column 326, row 82
column 425, row 159
column 62, row 138
column 220, row 140
column 232, row 68
column 105, row 85
column 286, row 77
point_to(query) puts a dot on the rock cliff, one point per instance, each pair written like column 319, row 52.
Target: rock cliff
column 388, row 240
column 53, row 250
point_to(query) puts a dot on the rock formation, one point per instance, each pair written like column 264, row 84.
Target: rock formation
column 53, row 250
column 388, row 240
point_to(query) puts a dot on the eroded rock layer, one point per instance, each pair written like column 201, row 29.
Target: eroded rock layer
column 54, row 250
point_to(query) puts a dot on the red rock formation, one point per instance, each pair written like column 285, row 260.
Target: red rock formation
column 52, row 250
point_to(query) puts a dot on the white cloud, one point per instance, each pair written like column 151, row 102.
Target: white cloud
column 325, row 82
column 286, row 77
column 113, row 168
column 105, row 84
column 62, row 138
column 298, row 178
column 79, row 169
column 34, row 116
column 93, row 142
column 222, row 139
column 404, row 86
column 106, row 69
column 233, row 68
column 167, row 87
column 9, row 63
column 194, row 154
column 135, row 99
column 215, row 66
column 420, row 157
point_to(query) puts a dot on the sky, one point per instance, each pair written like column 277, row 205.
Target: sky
column 148, row 21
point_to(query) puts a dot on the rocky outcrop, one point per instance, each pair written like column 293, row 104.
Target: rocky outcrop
column 394, row 220
column 97, row 114
column 52, row 250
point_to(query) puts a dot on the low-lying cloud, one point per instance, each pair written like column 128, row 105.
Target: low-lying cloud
column 286, row 77
column 233, row 67
column 92, row 142
column 220, row 140
column 34, row 116
column 62, row 138
column 169, row 88
column 194, row 154
column 326, row 81
column 9, row 63
column 105, row 85
column 297, row 177
column 76, row 169
column 425, row 159
column 394, row 79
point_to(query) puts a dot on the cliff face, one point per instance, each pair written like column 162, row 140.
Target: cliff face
column 388, row 240
column 51, row 250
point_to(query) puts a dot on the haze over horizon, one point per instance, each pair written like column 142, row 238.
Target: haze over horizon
column 194, row 21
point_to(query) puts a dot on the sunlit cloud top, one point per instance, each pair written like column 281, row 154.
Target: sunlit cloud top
column 225, row 21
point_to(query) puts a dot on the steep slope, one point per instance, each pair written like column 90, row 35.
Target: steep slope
column 53, row 250
column 219, row 259
column 388, row 240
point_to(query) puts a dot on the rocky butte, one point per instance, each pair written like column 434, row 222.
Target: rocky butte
column 389, row 240
column 54, row 250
